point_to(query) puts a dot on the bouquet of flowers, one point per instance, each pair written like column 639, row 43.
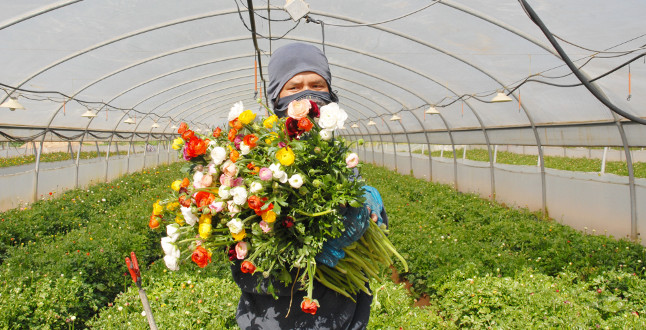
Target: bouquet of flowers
column 271, row 193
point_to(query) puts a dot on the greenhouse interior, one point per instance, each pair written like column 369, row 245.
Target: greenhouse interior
column 505, row 139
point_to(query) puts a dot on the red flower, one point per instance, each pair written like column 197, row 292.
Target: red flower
column 250, row 140
column 217, row 132
column 203, row 198
column 195, row 147
column 250, row 166
column 291, row 127
column 232, row 134
column 288, row 222
column 247, row 267
column 269, row 207
column 309, row 305
column 187, row 135
column 182, row 128
column 236, row 123
column 201, row 256
column 154, row 222
column 232, row 254
column 305, row 124
column 314, row 110
column 185, row 200
column 254, row 202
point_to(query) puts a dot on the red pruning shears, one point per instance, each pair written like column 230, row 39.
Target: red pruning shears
column 135, row 273
column 133, row 268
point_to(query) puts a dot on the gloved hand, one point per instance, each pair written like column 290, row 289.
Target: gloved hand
column 356, row 222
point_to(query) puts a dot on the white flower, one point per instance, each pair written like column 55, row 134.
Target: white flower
column 224, row 192
column 235, row 226
column 255, row 187
column 143, row 313
column 218, row 154
column 296, row 181
column 169, row 248
column 239, row 195
column 232, row 207
column 189, row 217
column 325, row 134
column 120, row 308
column 236, row 110
column 172, row 231
column 274, row 168
column 332, row 117
column 282, row 177
column 197, row 178
column 244, row 149
column 172, row 263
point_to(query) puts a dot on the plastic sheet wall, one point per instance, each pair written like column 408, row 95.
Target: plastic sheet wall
column 63, row 178
column 590, row 202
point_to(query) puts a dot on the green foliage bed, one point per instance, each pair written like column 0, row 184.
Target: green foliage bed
column 479, row 264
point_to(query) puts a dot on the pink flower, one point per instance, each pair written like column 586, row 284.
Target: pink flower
column 265, row 226
column 299, row 109
column 232, row 207
column 265, row 174
column 217, row 206
column 352, row 160
column 241, row 250
column 237, row 182
column 207, row 180
column 212, row 169
column 226, row 180
column 229, row 168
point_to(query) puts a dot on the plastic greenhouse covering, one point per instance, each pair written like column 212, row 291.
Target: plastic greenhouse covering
column 410, row 74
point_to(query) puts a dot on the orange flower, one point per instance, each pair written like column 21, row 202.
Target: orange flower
column 185, row 200
column 247, row 267
column 201, row 256
column 250, row 140
column 185, row 183
column 310, row 305
column 182, row 128
column 154, row 222
column 195, row 147
column 217, row 132
column 232, row 134
column 234, row 155
column 254, row 202
column 187, row 134
column 250, row 166
column 203, row 198
column 305, row 124
column 236, row 123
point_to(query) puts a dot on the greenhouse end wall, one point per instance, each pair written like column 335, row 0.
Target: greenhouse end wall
column 61, row 178
column 590, row 202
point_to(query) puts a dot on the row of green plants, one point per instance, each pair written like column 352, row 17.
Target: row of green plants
column 54, row 157
column 63, row 258
column 455, row 242
column 555, row 162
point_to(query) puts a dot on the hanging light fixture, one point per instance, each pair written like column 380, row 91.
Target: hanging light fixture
column 129, row 121
column 501, row 97
column 12, row 104
column 89, row 114
column 395, row 117
column 371, row 123
column 155, row 125
column 432, row 111
column 354, row 126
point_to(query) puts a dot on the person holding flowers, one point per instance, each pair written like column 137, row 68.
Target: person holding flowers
column 299, row 71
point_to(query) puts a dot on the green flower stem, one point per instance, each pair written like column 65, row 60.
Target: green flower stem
column 318, row 214
column 266, row 107
column 358, row 260
column 322, row 279
column 249, row 218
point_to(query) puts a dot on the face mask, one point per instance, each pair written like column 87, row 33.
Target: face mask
column 320, row 98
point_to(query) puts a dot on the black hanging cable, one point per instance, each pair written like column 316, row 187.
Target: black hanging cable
column 255, row 44
column 534, row 17
column 309, row 19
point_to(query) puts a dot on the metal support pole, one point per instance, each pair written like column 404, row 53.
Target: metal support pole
column 603, row 160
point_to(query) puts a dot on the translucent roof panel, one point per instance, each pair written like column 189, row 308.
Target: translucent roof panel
column 169, row 61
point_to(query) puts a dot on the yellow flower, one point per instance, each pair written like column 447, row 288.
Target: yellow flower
column 272, row 136
column 178, row 143
column 205, row 230
column 176, row 185
column 246, row 117
column 157, row 209
column 239, row 236
column 205, row 218
column 285, row 156
column 269, row 216
column 179, row 220
column 269, row 122
column 172, row 206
